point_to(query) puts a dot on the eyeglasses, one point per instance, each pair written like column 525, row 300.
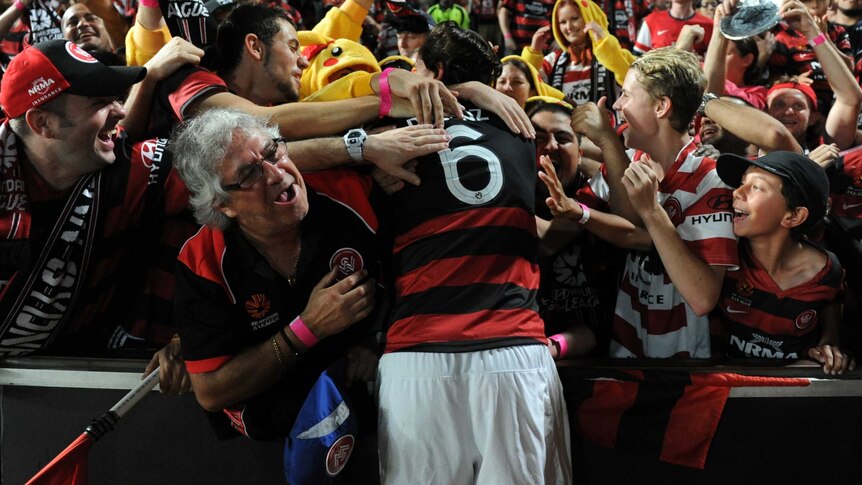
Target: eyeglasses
column 248, row 175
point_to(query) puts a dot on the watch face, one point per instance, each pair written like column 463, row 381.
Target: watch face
column 354, row 134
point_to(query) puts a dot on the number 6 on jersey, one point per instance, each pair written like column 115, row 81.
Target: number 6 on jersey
column 450, row 159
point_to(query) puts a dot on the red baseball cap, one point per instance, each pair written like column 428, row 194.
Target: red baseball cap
column 43, row 71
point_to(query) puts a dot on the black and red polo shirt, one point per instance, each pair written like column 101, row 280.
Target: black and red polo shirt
column 229, row 298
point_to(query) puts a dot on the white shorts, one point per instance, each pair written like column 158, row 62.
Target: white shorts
column 492, row 417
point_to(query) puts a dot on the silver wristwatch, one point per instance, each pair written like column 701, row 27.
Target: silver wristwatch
column 707, row 97
column 354, row 141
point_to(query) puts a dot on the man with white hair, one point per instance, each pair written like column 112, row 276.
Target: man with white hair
column 276, row 287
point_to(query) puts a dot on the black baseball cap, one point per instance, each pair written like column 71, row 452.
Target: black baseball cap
column 405, row 18
column 43, row 71
column 804, row 174
column 214, row 6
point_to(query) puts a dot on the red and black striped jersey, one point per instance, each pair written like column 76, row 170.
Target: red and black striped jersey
column 854, row 36
column 624, row 16
column 465, row 243
column 175, row 93
column 13, row 42
column 527, row 17
column 762, row 320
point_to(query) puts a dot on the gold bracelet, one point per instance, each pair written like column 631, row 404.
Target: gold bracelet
column 290, row 344
column 278, row 352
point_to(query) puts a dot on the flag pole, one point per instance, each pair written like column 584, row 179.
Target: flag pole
column 70, row 466
column 105, row 423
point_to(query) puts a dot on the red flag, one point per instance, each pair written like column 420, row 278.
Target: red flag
column 69, row 467
column 671, row 415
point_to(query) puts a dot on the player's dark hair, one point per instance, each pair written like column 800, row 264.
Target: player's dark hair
column 463, row 54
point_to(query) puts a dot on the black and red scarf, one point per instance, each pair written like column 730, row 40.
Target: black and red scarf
column 52, row 278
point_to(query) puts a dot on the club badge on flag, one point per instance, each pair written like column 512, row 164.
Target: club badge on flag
column 323, row 435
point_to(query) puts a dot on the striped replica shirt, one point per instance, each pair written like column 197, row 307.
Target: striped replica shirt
column 854, row 35
column 583, row 80
column 651, row 318
column 179, row 90
column 762, row 320
column 465, row 251
column 527, row 17
column 623, row 18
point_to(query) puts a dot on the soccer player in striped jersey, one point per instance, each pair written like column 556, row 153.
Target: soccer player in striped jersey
column 785, row 300
column 468, row 392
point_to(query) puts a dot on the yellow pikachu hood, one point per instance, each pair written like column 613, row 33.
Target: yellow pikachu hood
column 333, row 59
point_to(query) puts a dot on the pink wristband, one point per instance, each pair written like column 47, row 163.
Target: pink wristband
column 149, row 3
column 385, row 93
column 297, row 326
column 19, row 5
column 561, row 341
column 586, row 215
column 821, row 38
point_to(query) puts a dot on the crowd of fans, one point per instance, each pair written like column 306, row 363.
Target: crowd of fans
column 468, row 188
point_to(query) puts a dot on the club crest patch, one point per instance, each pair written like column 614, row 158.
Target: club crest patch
column 805, row 319
column 674, row 211
column 348, row 261
column 338, row 454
